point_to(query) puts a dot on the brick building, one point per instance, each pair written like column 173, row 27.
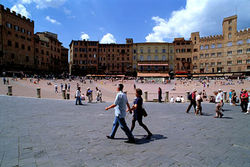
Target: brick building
column 183, row 56
column 22, row 50
column 226, row 53
column 64, row 59
column 91, row 57
column 16, row 41
column 48, row 53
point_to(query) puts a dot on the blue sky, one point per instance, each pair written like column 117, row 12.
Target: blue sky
column 143, row 20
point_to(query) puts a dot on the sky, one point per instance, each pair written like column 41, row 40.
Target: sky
column 112, row 21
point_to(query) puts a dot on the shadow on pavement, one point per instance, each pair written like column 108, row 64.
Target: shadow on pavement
column 227, row 118
column 206, row 114
column 144, row 140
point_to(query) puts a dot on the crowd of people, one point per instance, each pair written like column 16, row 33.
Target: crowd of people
column 219, row 100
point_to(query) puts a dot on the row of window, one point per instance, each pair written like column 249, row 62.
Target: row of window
column 219, row 45
column 21, row 36
column 182, row 50
column 17, row 28
column 154, row 68
column 100, row 50
column 22, row 46
column 155, row 51
column 219, row 54
column 183, row 43
column 13, row 57
column 156, row 58
column 220, row 63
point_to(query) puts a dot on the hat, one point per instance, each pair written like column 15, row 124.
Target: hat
column 194, row 90
column 219, row 90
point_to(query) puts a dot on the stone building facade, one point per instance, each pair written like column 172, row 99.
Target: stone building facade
column 183, row 56
column 152, row 57
column 226, row 53
column 91, row 57
column 22, row 50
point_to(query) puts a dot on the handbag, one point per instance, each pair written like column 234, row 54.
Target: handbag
column 144, row 113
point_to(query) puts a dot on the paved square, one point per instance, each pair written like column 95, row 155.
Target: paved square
column 57, row 133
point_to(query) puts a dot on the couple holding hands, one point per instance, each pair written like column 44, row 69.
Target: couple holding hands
column 120, row 104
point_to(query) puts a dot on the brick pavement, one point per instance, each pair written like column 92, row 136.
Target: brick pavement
column 56, row 133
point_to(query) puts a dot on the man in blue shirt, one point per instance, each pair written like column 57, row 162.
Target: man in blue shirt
column 120, row 112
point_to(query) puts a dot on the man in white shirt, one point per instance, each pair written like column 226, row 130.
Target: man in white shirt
column 120, row 112
column 218, row 102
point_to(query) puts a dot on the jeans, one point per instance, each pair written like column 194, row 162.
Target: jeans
column 121, row 121
column 78, row 99
column 244, row 106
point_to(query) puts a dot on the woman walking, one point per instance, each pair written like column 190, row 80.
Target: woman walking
column 137, row 116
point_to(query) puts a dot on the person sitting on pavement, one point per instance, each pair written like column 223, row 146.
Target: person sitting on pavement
column 178, row 99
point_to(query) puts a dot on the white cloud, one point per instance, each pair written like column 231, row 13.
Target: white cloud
column 48, row 3
column 19, row 8
column 40, row 4
column 204, row 16
column 84, row 36
column 53, row 21
column 25, row 1
column 108, row 38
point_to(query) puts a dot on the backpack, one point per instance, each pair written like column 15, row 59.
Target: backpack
column 190, row 96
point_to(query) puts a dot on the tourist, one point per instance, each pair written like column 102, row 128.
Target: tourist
column 198, row 104
column 159, row 95
column 65, row 86
column 56, row 91
column 182, row 99
column 192, row 98
column 218, row 102
column 172, row 99
column 99, row 94
column 248, row 106
column 120, row 112
column 234, row 98
column 204, row 95
column 222, row 96
column 244, row 100
column 138, row 113
column 230, row 96
column 178, row 99
column 69, row 87
column 8, row 81
column 62, row 87
column 89, row 95
column 78, row 96
column 4, row 80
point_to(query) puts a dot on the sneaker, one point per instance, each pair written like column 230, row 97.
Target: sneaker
column 221, row 115
column 110, row 137
column 247, row 113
